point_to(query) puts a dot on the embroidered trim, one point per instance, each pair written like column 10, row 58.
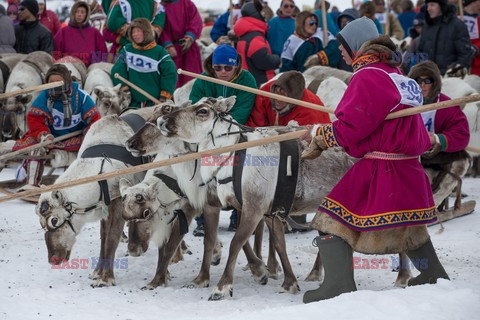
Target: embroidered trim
column 166, row 94
column 149, row 46
column 323, row 58
column 379, row 221
column 90, row 113
column 364, row 60
column 443, row 141
column 328, row 135
column 387, row 156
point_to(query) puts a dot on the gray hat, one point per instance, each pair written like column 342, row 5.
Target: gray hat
column 356, row 33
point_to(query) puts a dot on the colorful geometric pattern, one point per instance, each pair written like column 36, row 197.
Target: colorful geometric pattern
column 387, row 156
column 378, row 221
column 323, row 58
column 328, row 135
column 365, row 60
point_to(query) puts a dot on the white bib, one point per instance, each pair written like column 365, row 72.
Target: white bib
column 126, row 10
column 409, row 90
column 294, row 42
column 236, row 14
column 58, row 120
column 472, row 26
column 141, row 63
column 429, row 120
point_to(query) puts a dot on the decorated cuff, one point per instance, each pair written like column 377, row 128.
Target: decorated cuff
column 167, row 44
column 191, row 35
column 43, row 133
column 443, row 141
column 323, row 58
column 166, row 94
column 328, row 135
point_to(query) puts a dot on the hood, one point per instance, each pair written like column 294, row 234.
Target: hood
column 292, row 82
column 248, row 24
column 75, row 6
column 428, row 69
column 382, row 47
column 449, row 12
column 147, row 29
column 351, row 14
column 300, row 20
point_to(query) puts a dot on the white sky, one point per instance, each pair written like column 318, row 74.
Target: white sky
column 274, row 4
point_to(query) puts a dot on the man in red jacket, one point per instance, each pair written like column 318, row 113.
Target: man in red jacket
column 48, row 18
column 269, row 112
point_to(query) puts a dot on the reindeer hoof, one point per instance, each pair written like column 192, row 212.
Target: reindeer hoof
column 100, row 283
column 94, row 275
column 218, row 294
column 275, row 273
column 215, row 261
column 198, row 284
column 293, row 289
column 313, row 276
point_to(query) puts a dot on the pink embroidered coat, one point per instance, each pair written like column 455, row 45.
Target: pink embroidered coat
column 378, row 193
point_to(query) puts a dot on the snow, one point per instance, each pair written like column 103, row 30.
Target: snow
column 31, row 289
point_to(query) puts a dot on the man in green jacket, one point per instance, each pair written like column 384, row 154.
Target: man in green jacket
column 145, row 64
column 225, row 64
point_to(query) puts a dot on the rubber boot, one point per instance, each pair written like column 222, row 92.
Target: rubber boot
column 336, row 257
column 426, row 261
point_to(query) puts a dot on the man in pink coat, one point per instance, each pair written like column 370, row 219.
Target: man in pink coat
column 387, row 189
column 183, row 25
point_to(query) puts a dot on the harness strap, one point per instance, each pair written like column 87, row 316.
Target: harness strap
column 5, row 72
column 37, row 68
column 171, row 183
column 238, row 170
column 112, row 151
column 182, row 221
column 135, row 121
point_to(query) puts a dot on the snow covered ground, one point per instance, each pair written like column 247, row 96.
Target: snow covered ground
column 31, row 289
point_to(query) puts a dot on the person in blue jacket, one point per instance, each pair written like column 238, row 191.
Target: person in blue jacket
column 332, row 27
column 224, row 23
column 281, row 27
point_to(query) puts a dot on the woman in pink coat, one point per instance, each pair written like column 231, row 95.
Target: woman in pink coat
column 79, row 39
column 183, row 25
column 386, row 192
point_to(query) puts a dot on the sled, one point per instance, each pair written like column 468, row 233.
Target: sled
column 32, row 199
column 11, row 186
column 465, row 209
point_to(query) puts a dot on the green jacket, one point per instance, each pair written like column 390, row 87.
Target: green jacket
column 153, row 70
column 244, row 102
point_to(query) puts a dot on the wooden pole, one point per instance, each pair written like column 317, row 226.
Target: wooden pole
column 387, row 21
column 353, row 4
column 230, row 16
column 156, row 164
column 31, row 89
column 460, row 8
column 473, row 149
column 324, row 24
column 146, row 94
column 398, row 114
column 14, row 154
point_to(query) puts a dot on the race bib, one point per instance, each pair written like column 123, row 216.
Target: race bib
column 472, row 26
column 58, row 118
column 141, row 63
column 381, row 17
column 429, row 120
column 409, row 90
column 236, row 14
column 126, row 10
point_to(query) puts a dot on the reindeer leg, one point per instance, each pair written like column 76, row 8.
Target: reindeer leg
column 316, row 272
column 273, row 267
column 115, row 224
column 211, row 216
column 404, row 272
column 276, row 228
column 257, row 243
column 248, row 222
column 95, row 275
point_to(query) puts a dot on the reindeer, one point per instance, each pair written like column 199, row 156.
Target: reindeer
column 63, row 213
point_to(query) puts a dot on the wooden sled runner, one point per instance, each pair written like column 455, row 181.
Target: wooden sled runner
column 465, row 209
column 11, row 187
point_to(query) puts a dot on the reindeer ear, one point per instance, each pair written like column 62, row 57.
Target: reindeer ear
column 98, row 92
column 26, row 98
column 117, row 87
column 124, row 184
column 58, row 195
column 225, row 104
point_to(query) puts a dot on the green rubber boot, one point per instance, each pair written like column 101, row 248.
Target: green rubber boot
column 336, row 257
column 426, row 261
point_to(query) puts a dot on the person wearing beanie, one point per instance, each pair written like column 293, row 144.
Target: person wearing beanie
column 12, row 13
column 252, row 44
column 183, row 26
column 30, row 34
column 56, row 112
column 306, row 46
column 281, row 27
column 384, row 200
column 471, row 17
column 48, row 18
column 445, row 38
column 122, row 13
column 79, row 39
column 448, row 131
column 146, row 64
column 7, row 36
column 225, row 64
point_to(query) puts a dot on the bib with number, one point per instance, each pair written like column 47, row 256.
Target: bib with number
column 141, row 63
column 58, row 117
column 294, row 42
column 472, row 26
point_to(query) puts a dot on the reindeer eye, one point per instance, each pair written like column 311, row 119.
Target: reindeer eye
column 167, row 109
column 139, row 197
column 202, row 112
column 52, row 222
column 44, row 207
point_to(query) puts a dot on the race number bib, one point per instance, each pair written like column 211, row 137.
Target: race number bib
column 429, row 120
column 141, row 63
column 58, row 118
column 409, row 90
column 126, row 10
column 381, row 17
column 236, row 15
column 472, row 26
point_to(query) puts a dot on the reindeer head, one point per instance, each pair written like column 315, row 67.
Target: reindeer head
column 111, row 100
column 13, row 115
column 194, row 123
column 147, row 140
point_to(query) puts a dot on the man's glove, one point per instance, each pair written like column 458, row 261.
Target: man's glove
column 186, row 42
column 315, row 149
column 171, row 51
column 433, row 151
column 47, row 137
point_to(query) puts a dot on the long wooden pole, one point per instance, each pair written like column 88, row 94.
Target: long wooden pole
column 460, row 8
column 146, row 94
column 156, row 164
column 31, row 89
column 398, row 114
column 324, row 24
column 473, row 149
column 39, row 145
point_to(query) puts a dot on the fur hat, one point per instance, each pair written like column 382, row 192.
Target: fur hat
column 30, row 5
column 428, row 69
column 75, row 6
column 147, row 29
column 300, row 21
column 61, row 70
column 292, row 82
column 253, row 9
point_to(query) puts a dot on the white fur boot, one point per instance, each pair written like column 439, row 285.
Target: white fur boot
column 62, row 158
